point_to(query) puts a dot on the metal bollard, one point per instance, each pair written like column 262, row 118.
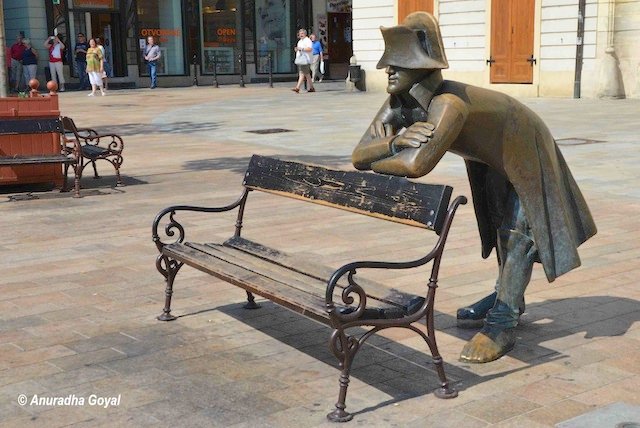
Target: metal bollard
column 270, row 58
column 241, row 61
column 215, row 71
column 195, row 70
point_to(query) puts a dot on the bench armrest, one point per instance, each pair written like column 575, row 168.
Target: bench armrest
column 173, row 225
column 350, row 270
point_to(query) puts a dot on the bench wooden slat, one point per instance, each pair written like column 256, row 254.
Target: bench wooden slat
column 291, row 278
column 319, row 271
column 35, row 159
column 32, row 125
column 391, row 198
column 282, row 294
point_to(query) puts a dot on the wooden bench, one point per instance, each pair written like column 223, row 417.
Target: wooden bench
column 57, row 153
column 94, row 147
column 332, row 296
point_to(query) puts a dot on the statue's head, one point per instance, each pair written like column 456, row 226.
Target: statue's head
column 412, row 50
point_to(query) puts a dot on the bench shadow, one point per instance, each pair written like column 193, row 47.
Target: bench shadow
column 183, row 127
column 403, row 372
column 104, row 185
column 239, row 164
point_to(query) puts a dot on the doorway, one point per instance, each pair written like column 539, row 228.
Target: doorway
column 512, row 31
column 107, row 26
column 340, row 46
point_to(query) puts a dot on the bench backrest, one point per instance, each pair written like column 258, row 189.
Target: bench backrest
column 391, row 198
column 30, row 125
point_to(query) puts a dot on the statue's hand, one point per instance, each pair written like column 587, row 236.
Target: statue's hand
column 417, row 134
column 380, row 129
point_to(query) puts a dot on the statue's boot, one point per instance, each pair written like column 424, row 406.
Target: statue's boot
column 473, row 316
column 497, row 337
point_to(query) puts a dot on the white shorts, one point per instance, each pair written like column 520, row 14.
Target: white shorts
column 95, row 78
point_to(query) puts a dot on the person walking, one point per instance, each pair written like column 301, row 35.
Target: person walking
column 29, row 61
column 105, row 62
column 17, row 50
column 151, row 56
column 317, row 58
column 55, row 46
column 303, row 61
column 81, row 60
column 95, row 67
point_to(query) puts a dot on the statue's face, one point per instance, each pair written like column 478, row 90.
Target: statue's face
column 402, row 79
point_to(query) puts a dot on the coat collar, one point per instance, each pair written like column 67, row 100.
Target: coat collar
column 424, row 91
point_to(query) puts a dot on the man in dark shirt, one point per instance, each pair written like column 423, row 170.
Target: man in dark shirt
column 81, row 60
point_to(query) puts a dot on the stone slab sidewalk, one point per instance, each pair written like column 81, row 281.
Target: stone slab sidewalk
column 80, row 291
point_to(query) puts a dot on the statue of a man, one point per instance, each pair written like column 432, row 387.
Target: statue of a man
column 526, row 201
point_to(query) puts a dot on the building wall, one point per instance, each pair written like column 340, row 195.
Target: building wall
column 368, row 16
column 466, row 32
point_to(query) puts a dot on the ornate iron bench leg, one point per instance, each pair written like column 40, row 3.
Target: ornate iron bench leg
column 95, row 170
column 344, row 347
column 169, row 269
column 251, row 302
column 445, row 391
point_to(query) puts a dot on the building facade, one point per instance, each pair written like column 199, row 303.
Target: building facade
column 225, row 39
column 563, row 48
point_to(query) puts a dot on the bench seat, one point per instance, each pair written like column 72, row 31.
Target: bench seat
column 36, row 159
column 282, row 278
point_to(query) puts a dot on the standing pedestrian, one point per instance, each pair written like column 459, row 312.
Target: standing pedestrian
column 17, row 50
column 95, row 67
column 317, row 58
column 303, row 61
column 81, row 60
column 151, row 56
column 55, row 47
column 29, row 61
column 105, row 62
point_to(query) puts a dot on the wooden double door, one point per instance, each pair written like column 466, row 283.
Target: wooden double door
column 512, row 32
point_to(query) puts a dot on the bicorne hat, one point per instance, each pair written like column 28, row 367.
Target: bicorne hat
column 415, row 44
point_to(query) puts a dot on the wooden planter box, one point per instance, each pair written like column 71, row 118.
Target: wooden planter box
column 12, row 108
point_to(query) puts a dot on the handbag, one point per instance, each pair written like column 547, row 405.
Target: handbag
column 301, row 59
column 321, row 67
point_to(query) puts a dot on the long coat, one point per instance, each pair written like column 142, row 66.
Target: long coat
column 491, row 131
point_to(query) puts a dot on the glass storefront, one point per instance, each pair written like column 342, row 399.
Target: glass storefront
column 221, row 40
column 208, row 33
column 274, row 35
column 163, row 20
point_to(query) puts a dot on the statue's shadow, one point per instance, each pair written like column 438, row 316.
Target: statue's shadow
column 404, row 372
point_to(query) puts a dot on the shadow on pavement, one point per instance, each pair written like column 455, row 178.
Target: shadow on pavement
column 183, row 127
column 404, row 372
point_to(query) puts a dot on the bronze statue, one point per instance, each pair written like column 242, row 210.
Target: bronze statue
column 527, row 204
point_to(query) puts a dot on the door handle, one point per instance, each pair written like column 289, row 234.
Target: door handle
column 532, row 60
column 490, row 61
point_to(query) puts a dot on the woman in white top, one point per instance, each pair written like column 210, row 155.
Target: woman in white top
column 303, row 61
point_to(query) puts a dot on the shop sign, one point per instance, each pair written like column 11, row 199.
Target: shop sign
column 339, row 6
column 94, row 4
column 160, row 34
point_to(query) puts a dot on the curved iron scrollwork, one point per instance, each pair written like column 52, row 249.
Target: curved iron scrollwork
column 173, row 226
column 169, row 230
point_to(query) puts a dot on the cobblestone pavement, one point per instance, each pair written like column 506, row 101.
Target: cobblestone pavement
column 80, row 291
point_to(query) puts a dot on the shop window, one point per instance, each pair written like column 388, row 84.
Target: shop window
column 162, row 19
column 221, row 40
column 274, row 36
